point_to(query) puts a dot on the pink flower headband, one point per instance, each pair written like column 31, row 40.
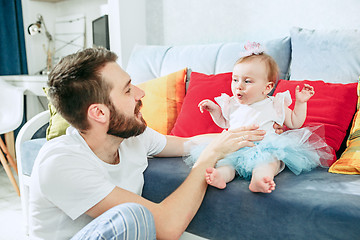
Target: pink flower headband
column 252, row 48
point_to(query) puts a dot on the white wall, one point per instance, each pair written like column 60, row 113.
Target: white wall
column 36, row 55
column 92, row 9
column 127, row 23
column 36, row 45
column 178, row 22
column 211, row 21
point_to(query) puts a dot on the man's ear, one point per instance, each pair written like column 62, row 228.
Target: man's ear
column 98, row 112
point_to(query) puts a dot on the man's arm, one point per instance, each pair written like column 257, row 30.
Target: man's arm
column 175, row 146
column 175, row 212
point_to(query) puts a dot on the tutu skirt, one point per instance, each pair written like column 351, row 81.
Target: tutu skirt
column 300, row 149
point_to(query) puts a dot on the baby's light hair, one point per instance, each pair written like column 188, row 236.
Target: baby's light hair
column 272, row 67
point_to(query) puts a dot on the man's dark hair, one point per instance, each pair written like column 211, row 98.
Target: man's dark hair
column 75, row 83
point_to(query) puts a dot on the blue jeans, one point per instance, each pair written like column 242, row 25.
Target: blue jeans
column 125, row 221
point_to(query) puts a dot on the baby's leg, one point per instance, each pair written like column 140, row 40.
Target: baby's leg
column 262, row 179
column 218, row 177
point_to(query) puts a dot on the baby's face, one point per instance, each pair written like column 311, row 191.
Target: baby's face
column 250, row 82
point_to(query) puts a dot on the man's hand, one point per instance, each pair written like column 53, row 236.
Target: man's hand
column 232, row 140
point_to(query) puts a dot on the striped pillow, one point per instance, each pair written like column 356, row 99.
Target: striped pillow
column 349, row 162
column 163, row 100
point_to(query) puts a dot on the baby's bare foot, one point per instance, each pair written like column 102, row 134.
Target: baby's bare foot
column 214, row 178
column 264, row 184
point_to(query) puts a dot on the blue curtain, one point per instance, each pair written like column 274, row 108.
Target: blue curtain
column 12, row 40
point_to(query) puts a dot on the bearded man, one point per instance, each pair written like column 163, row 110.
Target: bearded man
column 87, row 184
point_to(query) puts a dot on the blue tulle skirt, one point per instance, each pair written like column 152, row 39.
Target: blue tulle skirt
column 301, row 150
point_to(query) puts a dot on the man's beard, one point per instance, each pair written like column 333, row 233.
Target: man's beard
column 123, row 126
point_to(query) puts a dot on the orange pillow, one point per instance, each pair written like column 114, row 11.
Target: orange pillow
column 349, row 162
column 163, row 100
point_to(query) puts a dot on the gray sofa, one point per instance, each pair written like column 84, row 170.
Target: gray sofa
column 314, row 205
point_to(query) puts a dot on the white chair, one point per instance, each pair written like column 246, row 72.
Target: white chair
column 11, row 116
column 25, row 134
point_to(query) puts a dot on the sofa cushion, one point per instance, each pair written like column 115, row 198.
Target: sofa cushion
column 279, row 49
column 29, row 152
column 161, row 104
column 200, row 58
column 163, row 100
column 330, row 101
column 329, row 55
column 191, row 121
column 311, row 204
column 57, row 124
column 148, row 62
column 145, row 63
column 349, row 162
column 333, row 105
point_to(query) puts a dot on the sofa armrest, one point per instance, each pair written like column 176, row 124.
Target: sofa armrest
column 32, row 126
column 27, row 132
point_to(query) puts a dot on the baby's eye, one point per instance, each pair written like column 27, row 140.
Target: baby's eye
column 247, row 81
column 235, row 80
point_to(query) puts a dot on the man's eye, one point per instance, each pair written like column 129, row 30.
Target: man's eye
column 129, row 90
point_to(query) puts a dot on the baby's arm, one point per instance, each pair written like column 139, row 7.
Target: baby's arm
column 215, row 112
column 296, row 118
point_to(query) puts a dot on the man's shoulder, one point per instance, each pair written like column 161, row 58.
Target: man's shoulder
column 149, row 141
column 148, row 135
column 62, row 145
column 63, row 140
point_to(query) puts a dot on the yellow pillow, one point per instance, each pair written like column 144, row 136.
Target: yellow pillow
column 57, row 124
column 161, row 105
column 349, row 162
column 163, row 100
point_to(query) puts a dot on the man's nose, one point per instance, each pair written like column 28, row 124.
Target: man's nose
column 139, row 93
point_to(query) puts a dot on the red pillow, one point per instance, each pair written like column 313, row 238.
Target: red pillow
column 333, row 105
column 191, row 121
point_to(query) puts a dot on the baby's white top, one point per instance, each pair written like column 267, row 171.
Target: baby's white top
column 264, row 113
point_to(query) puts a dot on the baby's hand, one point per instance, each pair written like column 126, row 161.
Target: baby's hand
column 278, row 128
column 305, row 94
column 207, row 105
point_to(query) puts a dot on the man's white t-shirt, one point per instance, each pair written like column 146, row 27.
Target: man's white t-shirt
column 68, row 179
